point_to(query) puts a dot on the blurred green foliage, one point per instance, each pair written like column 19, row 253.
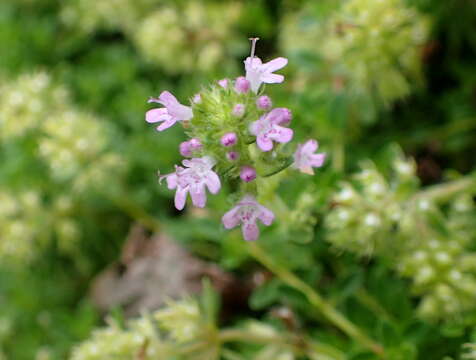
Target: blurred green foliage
column 78, row 167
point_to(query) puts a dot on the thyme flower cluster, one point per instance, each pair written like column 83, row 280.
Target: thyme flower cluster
column 234, row 135
column 372, row 47
column 426, row 242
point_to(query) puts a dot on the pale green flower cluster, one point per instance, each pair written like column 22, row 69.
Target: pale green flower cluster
column 365, row 214
column 72, row 144
column 372, row 47
column 89, row 15
column 27, row 223
column 426, row 242
column 26, row 102
column 178, row 37
column 150, row 337
column 437, row 256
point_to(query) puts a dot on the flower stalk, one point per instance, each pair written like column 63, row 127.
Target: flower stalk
column 316, row 300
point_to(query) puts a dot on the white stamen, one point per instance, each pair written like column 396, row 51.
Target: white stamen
column 253, row 44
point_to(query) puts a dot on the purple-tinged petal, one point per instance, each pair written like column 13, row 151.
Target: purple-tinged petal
column 317, row 160
column 198, row 195
column 166, row 124
column 283, row 135
column 309, row 146
column 213, row 182
column 264, row 143
column 171, row 181
column 249, row 64
column 275, row 64
column 167, row 99
column 266, row 216
column 279, row 116
column 180, row 197
column 156, row 115
column 250, row 231
column 272, row 78
column 231, row 219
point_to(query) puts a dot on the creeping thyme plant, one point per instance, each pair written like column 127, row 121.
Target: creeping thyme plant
column 315, row 199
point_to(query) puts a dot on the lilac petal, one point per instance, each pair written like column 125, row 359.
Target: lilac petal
column 213, row 182
column 156, row 115
column 252, row 64
column 250, row 231
column 264, row 144
column 266, row 216
column 166, row 124
column 180, row 197
column 231, row 219
column 171, row 181
column 199, row 197
column 275, row 64
column 310, row 146
column 167, row 99
column 279, row 116
column 317, row 160
column 283, row 134
column 181, row 112
column 272, row 78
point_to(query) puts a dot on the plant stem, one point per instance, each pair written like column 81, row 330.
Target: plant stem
column 316, row 300
column 298, row 343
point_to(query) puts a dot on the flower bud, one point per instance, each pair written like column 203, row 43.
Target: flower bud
column 195, row 144
column 197, row 99
column 229, row 139
column 187, row 148
column 264, row 102
column 247, row 173
column 242, row 85
column 223, row 83
column 232, row 155
column 238, row 110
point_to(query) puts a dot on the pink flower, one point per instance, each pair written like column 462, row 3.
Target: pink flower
column 170, row 114
column 187, row 148
column 238, row 110
column 305, row 159
column 246, row 212
column 267, row 129
column 247, row 173
column 193, row 178
column 242, row 85
column 257, row 72
column 229, row 139
column 264, row 103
